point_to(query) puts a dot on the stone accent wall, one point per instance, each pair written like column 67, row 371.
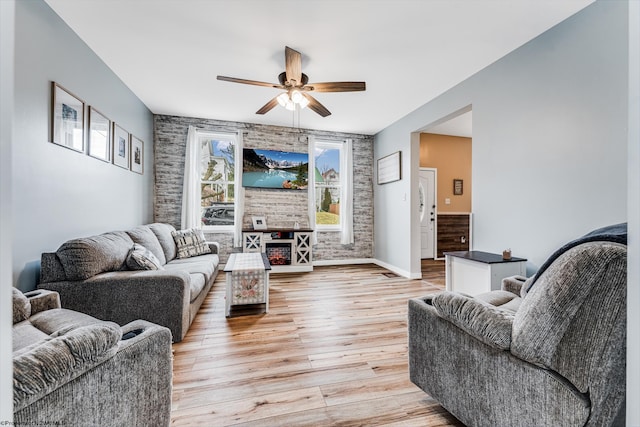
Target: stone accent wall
column 281, row 208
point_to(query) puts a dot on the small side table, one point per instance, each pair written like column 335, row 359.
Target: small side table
column 476, row 272
column 247, row 280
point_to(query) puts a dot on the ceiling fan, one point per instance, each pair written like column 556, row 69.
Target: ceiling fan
column 297, row 86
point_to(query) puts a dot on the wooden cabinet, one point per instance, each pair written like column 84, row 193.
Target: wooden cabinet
column 454, row 233
column 476, row 272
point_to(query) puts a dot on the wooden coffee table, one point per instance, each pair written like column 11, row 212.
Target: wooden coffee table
column 247, row 280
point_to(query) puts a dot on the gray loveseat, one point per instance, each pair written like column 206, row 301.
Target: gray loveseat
column 93, row 275
column 548, row 351
column 74, row 370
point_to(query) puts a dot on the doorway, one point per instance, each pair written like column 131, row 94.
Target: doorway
column 427, row 208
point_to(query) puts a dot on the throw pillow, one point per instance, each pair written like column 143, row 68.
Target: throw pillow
column 141, row 258
column 190, row 243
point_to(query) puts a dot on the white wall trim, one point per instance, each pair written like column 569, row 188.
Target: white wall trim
column 393, row 268
column 328, row 262
column 398, row 271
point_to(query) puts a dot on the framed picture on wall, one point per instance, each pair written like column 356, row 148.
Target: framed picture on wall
column 67, row 121
column 137, row 153
column 457, row 187
column 390, row 168
column 120, row 152
column 99, row 135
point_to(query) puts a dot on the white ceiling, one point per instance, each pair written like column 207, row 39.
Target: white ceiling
column 458, row 126
column 168, row 52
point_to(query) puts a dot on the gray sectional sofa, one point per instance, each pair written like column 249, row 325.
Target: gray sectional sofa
column 94, row 275
column 546, row 351
column 74, row 370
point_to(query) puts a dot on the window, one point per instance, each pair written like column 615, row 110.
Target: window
column 328, row 184
column 218, row 153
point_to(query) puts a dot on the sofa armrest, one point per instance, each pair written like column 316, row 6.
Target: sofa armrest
column 513, row 284
column 42, row 300
column 488, row 324
column 158, row 296
column 214, row 247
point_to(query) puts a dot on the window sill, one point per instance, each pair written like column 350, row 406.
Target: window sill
column 327, row 229
column 221, row 229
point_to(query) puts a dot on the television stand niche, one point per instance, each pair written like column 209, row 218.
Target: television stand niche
column 288, row 250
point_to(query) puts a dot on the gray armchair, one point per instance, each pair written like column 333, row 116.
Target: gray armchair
column 547, row 351
column 75, row 370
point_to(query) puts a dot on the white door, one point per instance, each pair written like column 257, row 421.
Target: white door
column 427, row 188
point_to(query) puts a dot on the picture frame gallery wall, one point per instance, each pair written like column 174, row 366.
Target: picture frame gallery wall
column 85, row 129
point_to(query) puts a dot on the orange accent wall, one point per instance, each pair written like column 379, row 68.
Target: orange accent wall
column 451, row 155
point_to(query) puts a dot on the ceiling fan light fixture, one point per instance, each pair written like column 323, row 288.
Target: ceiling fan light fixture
column 296, row 97
column 303, row 102
column 283, row 99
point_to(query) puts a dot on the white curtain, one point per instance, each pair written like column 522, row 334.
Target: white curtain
column 239, row 193
column 346, row 196
column 311, row 173
column 191, row 186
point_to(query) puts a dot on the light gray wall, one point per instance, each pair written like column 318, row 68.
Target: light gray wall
column 549, row 143
column 59, row 194
column 7, row 22
column 633, row 280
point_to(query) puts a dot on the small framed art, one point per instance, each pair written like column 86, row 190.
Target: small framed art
column 259, row 222
column 99, row 135
column 390, row 168
column 137, row 155
column 120, row 147
column 67, row 122
column 457, row 187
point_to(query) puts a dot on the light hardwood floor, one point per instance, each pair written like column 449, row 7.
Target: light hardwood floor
column 331, row 351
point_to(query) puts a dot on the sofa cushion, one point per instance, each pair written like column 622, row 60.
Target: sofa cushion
column 190, row 243
column 21, row 306
column 54, row 362
column 163, row 233
column 205, row 264
column 502, row 300
column 88, row 256
column 196, row 285
column 141, row 258
column 25, row 334
column 144, row 236
column 479, row 319
column 53, row 321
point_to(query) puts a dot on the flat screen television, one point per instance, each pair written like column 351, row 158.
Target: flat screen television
column 274, row 169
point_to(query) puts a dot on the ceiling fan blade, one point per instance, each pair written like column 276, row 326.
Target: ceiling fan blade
column 249, row 82
column 293, row 65
column 316, row 106
column 336, row 87
column 268, row 106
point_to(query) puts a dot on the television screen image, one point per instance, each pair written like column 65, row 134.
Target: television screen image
column 274, row 169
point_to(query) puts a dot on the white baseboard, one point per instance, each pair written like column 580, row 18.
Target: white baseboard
column 398, row 271
column 393, row 268
column 324, row 262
